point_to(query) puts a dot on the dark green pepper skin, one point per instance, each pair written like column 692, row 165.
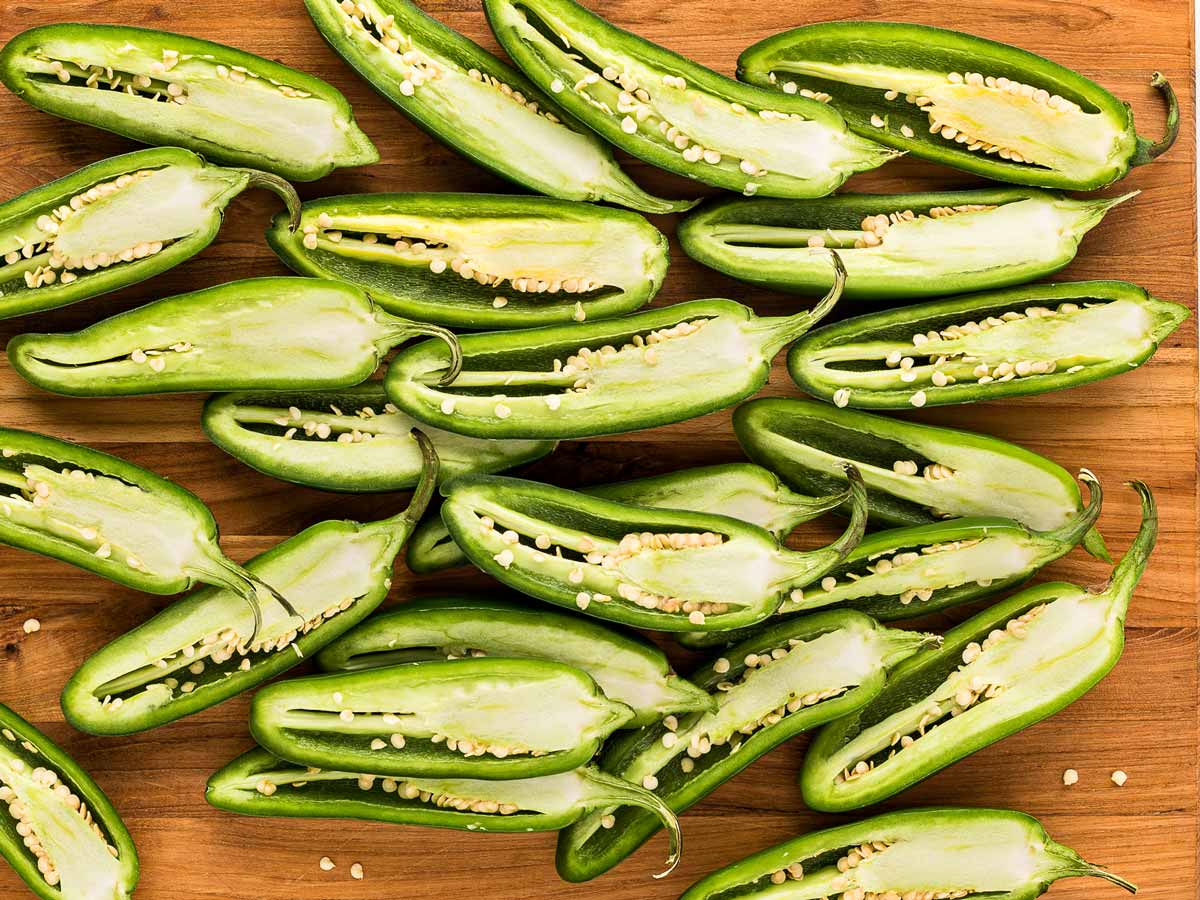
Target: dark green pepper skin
column 1098, row 329
column 179, row 205
column 21, row 741
column 741, row 490
column 229, row 118
column 843, row 653
column 615, row 243
column 948, row 847
column 474, row 700
column 913, row 60
column 999, row 672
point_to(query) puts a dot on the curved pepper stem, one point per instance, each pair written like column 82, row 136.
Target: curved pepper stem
column 232, row 577
column 281, row 188
column 1147, row 151
column 859, row 510
column 784, row 331
column 624, row 793
column 399, row 330
column 1085, row 520
column 1129, row 570
column 423, row 493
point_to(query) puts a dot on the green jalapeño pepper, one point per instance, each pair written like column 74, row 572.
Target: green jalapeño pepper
column 115, row 223
column 110, row 517
column 895, row 246
column 675, row 113
column 779, row 683
column 480, row 260
column 58, row 830
column 475, row 103
column 741, row 490
column 670, row 570
column 488, row 718
column 204, row 649
column 349, row 440
column 260, row 784
column 581, row 380
column 915, row 474
column 264, row 333
column 169, row 89
column 1010, row 343
column 1000, row 671
column 917, row 854
column 964, row 101
column 628, row 668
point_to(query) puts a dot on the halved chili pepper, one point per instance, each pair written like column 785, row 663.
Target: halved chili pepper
column 961, row 100
column 777, row 684
column 895, row 246
column 204, row 649
column 347, row 440
column 584, row 380
column 628, row 668
column 170, row 89
column 914, row 473
column 913, row 853
column 488, row 718
column 479, row 260
column 1000, row 671
column 675, row 113
column 1010, row 343
column 58, row 830
column 670, row 570
column 108, row 516
column 919, row 569
column 258, row 783
column 741, row 490
column 115, row 223
column 475, row 103
column 264, row 333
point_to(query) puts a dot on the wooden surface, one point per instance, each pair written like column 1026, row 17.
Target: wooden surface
column 1142, row 718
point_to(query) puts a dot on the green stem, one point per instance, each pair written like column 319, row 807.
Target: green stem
column 780, row 331
column 1129, row 570
column 624, row 793
column 1084, row 520
column 398, row 330
column 281, row 188
column 1146, row 151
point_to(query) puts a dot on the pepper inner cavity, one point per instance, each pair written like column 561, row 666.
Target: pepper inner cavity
column 841, row 873
column 357, row 426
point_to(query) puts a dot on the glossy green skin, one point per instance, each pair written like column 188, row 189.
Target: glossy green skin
column 806, row 443
column 585, row 851
column 627, row 667
column 337, row 746
column 545, row 59
column 412, row 290
column 570, row 519
column 236, row 124
column 50, row 755
column 259, row 333
column 871, row 337
column 519, row 151
column 221, row 185
column 728, row 235
column 1030, row 695
column 243, row 425
column 963, row 843
column 936, row 51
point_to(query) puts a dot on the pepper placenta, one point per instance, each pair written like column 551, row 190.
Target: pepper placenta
column 915, row 474
column 670, row 570
column 581, row 380
column 171, row 90
column 628, row 668
column 1000, row 671
column 348, row 440
column 258, row 783
column 466, row 718
column 475, row 103
column 895, row 246
column 741, row 490
column 259, row 333
column 964, row 101
column 1009, row 343
column 479, row 260
column 115, row 223
column 58, row 830
column 918, row 853
column 203, row 649
column 777, row 684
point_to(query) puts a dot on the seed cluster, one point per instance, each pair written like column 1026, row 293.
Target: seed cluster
column 875, row 228
column 586, row 360
column 298, row 422
column 855, row 857
column 407, row 790
column 468, row 747
column 156, row 86
column 884, row 563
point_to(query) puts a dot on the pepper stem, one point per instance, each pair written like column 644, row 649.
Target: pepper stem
column 1129, row 570
column 401, row 525
column 625, row 793
column 781, row 331
column 397, row 330
column 1097, row 872
column 281, row 188
column 232, row 577
column 1147, row 151
column 805, row 567
column 626, row 193
column 1084, row 520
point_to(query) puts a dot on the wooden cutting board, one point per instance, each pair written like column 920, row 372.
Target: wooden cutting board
column 1142, row 718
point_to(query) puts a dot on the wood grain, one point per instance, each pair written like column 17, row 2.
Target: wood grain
column 1142, row 718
